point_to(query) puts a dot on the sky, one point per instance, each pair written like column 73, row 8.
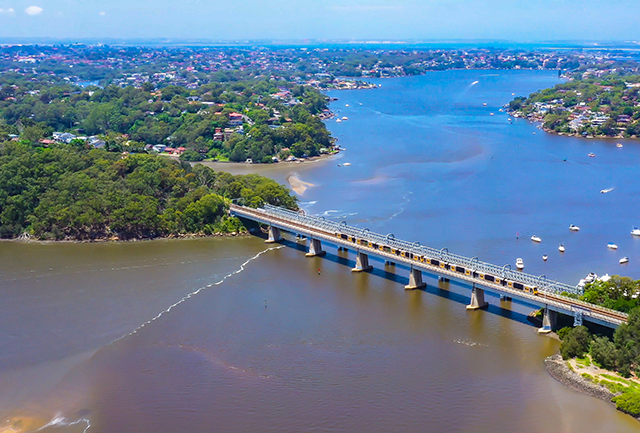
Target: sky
column 394, row 20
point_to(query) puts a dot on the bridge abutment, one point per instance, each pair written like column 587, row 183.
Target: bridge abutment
column 362, row 263
column 274, row 235
column 415, row 280
column 477, row 300
column 548, row 321
column 315, row 248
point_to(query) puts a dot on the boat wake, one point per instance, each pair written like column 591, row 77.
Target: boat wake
column 59, row 420
column 194, row 293
column 470, row 343
column 403, row 205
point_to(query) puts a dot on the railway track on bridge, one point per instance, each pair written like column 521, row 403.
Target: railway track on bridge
column 539, row 290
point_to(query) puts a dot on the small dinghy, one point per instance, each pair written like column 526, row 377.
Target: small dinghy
column 544, row 257
column 535, row 238
column 561, row 248
column 574, row 228
column 624, row 260
column 612, row 246
column 519, row 263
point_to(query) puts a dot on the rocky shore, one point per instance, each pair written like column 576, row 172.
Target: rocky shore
column 560, row 371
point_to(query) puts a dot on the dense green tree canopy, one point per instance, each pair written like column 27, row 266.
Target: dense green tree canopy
column 70, row 192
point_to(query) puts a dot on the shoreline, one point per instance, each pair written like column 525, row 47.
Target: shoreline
column 560, row 370
column 117, row 240
column 540, row 122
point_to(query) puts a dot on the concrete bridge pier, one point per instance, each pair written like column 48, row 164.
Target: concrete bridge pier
column 362, row 263
column 274, row 235
column 477, row 300
column 415, row 280
column 548, row 321
column 315, row 248
column 443, row 279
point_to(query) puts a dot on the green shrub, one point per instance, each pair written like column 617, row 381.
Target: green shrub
column 628, row 402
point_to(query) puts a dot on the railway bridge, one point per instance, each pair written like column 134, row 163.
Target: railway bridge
column 555, row 297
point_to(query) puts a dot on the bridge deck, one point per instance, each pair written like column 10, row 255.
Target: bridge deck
column 552, row 294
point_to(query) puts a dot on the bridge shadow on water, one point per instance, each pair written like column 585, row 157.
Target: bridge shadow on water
column 441, row 288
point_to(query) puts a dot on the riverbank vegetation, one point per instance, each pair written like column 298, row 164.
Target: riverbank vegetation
column 606, row 106
column 72, row 191
column 612, row 363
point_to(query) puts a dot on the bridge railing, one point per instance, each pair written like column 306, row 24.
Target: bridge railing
column 541, row 282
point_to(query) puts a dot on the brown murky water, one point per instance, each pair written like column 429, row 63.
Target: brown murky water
column 329, row 351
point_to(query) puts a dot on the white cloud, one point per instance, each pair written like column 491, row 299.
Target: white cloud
column 102, row 13
column 8, row 11
column 33, row 10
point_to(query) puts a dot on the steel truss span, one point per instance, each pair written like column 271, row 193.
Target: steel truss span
column 440, row 261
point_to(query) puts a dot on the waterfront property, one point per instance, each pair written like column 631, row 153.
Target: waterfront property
column 553, row 296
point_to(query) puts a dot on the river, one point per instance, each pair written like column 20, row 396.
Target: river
column 231, row 334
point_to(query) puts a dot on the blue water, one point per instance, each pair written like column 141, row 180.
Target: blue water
column 431, row 164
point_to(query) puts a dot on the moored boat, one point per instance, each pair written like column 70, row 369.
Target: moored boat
column 619, row 145
column 624, row 260
column 561, row 248
column 544, row 257
column 612, row 246
column 574, row 228
column 519, row 263
column 635, row 231
column 604, row 191
column 591, row 155
column 535, row 238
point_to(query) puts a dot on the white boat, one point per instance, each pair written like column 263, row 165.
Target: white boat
column 561, row 248
column 347, row 164
column 544, row 257
column 491, row 114
column 345, row 118
column 619, row 145
column 484, row 103
column 604, row 191
column 574, row 228
column 591, row 155
column 604, row 278
column 535, row 238
column 590, row 278
column 346, row 105
column 519, row 263
column 338, row 120
column 612, row 246
column 624, row 260
column 635, row 231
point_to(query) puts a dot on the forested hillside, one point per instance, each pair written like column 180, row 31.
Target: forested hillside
column 69, row 192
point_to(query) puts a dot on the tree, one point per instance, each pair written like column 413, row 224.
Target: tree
column 604, row 352
column 627, row 341
column 191, row 155
column 575, row 343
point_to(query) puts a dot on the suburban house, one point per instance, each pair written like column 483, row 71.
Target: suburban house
column 235, row 119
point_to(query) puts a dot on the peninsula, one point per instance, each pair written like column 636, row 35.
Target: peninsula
column 590, row 105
